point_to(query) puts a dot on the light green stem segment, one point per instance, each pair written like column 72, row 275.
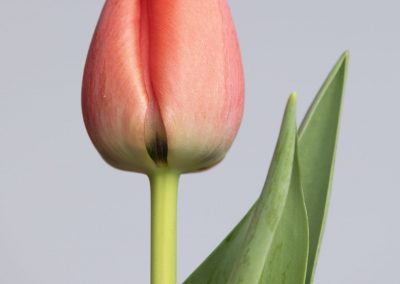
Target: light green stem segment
column 164, row 190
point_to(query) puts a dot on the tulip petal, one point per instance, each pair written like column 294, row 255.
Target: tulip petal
column 114, row 97
column 196, row 77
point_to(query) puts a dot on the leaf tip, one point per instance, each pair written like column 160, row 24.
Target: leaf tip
column 293, row 97
column 344, row 59
column 291, row 102
column 289, row 118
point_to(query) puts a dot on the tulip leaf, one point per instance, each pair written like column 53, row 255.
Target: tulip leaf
column 239, row 258
column 317, row 145
column 268, row 212
column 286, row 262
column 218, row 265
column 316, row 151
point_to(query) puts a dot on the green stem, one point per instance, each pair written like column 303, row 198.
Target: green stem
column 164, row 189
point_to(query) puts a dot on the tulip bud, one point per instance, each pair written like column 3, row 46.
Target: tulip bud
column 163, row 84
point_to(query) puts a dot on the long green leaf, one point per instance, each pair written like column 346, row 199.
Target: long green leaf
column 239, row 258
column 317, row 145
column 265, row 219
column 217, row 267
column 287, row 259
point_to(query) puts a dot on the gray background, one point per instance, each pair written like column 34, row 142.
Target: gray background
column 67, row 217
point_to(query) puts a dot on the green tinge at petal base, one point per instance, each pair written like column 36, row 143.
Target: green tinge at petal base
column 282, row 257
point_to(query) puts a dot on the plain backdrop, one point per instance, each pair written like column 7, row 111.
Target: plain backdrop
column 67, row 217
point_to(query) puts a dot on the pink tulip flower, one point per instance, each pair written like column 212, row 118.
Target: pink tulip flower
column 163, row 84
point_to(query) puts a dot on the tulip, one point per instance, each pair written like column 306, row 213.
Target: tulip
column 163, row 84
column 163, row 95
